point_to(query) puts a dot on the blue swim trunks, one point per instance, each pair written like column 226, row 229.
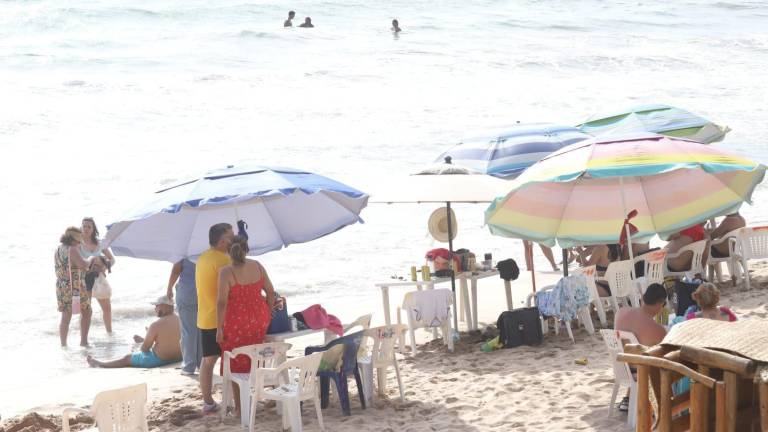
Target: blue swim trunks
column 148, row 360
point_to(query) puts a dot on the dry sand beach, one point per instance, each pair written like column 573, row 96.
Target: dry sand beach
column 522, row 389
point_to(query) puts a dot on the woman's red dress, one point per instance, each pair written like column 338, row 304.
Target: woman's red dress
column 246, row 321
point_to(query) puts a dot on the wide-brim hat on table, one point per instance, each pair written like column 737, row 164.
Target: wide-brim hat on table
column 438, row 224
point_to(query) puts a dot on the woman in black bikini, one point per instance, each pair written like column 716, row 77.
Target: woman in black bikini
column 602, row 255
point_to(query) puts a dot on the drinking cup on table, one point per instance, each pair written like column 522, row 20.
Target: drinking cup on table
column 413, row 273
column 425, row 273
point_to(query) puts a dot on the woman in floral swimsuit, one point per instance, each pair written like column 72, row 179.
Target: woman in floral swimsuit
column 70, row 280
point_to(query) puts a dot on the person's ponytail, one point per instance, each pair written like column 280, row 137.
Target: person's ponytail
column 238, row 250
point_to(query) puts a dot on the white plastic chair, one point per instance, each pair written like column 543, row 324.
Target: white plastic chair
column 590, row 274
column 382, row 356
column 713, row 263
column 268, row 355
column 622, row 375
column 697, row 261
column 750, row 243
column 654, row 269
column 414, row 297
column 119, row 410
column 298, row 382
column 619, row 278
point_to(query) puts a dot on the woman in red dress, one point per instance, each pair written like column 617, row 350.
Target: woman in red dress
column 242, row 309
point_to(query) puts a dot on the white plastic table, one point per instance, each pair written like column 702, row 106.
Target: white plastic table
column 473, row 277
column 282, row 337
column 468, row 311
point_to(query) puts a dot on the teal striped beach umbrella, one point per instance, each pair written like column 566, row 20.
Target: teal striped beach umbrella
column 660, row 119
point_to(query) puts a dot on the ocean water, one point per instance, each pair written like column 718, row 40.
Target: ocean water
column 104, row 102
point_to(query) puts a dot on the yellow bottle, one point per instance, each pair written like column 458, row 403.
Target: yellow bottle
column 413, row 273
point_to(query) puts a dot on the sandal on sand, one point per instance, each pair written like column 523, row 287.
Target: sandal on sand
column 624, row 404
column 210, row 408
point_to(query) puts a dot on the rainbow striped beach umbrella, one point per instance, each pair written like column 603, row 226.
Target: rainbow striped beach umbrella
column 661, row 119
column 581, row 194
column 510, row 152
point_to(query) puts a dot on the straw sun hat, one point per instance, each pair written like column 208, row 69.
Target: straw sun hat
column 438, row 225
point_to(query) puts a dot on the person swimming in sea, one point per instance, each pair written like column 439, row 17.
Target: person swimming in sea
column 289, row 21
column 396, row 26
column 307, row 23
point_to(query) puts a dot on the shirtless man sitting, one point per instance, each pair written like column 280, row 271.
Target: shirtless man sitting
column 159, row 347
column 730, row 223
column 639, row 320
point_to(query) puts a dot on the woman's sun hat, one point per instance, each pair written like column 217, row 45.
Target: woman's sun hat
column 438, row 224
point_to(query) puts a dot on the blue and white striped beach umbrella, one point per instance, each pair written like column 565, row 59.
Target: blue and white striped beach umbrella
column 280, row 206
column 660, row 119
column 509, row 153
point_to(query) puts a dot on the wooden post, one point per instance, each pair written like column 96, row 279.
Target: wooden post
column 508, row 290
column 704, row 408
column 763, row 391
column 643, row 404
column 665, row 402
column 720, row 425
column 698, row 423
column 731, row 399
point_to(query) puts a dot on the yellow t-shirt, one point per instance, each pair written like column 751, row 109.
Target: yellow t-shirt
column 207, row 281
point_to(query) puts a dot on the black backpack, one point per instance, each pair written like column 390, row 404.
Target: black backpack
column 520, row 327
column 684, row 292
column 508, row 269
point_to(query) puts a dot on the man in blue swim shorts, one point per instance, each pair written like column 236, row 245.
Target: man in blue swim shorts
column 159, row 347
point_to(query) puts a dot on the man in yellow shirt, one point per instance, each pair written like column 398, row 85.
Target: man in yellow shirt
column 207, row 279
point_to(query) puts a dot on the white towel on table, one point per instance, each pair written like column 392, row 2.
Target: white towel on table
column 430, row 307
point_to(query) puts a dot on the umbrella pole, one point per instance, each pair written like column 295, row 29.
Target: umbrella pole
column 626, row 228
column 452, row 266
column 529, row 253
column 565, row 262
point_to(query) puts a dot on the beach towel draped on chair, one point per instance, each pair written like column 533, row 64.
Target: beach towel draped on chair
column 565, row 299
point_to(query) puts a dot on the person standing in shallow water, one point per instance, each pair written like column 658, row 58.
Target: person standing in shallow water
column 307, row 23
column 396, row 26
column 70, row 282
column 91, row 247
column 289, row 21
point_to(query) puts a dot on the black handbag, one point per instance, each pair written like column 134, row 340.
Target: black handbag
column 508, row 269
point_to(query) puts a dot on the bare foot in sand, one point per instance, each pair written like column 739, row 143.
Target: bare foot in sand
column 92, row 362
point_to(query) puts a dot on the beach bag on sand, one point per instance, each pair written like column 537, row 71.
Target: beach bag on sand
column 519, row 327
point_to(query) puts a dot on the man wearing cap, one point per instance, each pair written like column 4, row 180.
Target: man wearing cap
column 159, row 347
